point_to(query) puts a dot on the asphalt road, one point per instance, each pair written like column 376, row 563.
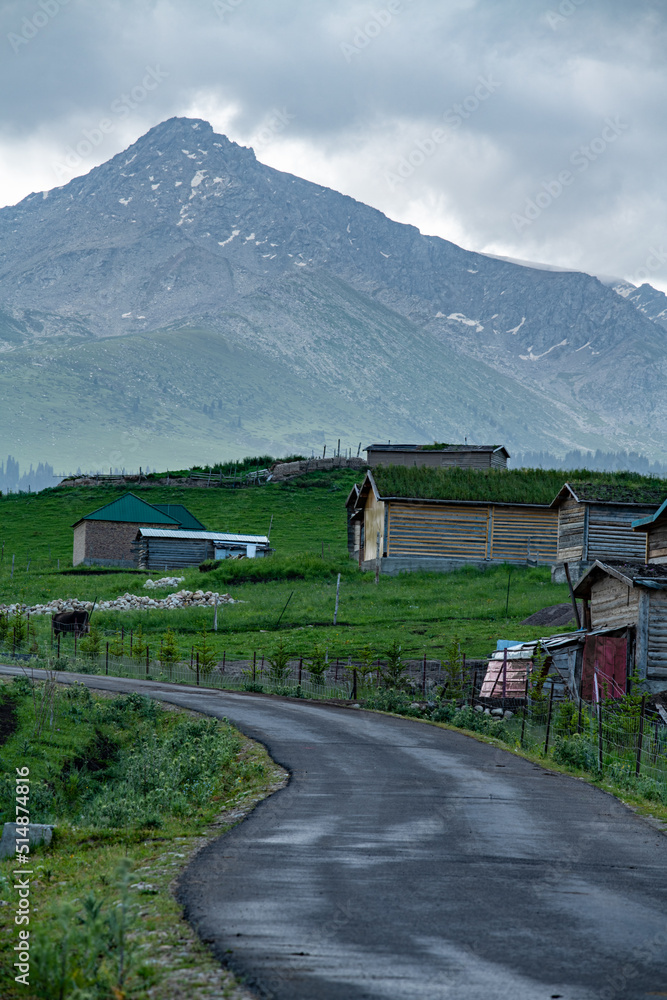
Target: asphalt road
column 406, row 861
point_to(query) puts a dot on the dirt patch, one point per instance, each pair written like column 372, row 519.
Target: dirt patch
column 556, row 614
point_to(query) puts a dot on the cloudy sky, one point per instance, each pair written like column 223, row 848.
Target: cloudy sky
column 528, row 128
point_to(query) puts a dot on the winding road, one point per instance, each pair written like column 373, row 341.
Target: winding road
column 407, row 861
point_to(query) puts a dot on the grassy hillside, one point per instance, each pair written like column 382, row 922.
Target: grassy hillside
column 139, row 400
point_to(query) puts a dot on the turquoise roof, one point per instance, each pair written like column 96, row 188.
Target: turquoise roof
column 645, row 522
column 182, row 515
column 132, row 510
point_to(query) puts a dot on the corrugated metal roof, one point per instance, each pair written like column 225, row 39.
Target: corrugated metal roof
column 212, row 536
column 129, row 509
column 181, row 514
column 645, row 522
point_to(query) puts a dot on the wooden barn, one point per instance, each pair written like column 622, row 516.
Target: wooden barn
column 438, row 456
column 631, row 598
column 595, row 522
column 411, row 533
column 654, row 528
column 165, row 548
column 106, row 536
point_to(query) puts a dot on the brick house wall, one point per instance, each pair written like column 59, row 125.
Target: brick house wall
column 106, row 543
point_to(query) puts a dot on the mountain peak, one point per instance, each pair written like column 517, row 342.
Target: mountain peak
column 185, row 230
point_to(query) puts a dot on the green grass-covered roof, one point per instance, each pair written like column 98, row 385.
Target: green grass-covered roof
column 535, row 486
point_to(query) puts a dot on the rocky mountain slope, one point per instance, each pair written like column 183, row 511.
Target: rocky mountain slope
column 183, row 299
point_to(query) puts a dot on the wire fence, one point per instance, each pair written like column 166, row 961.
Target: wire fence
column 623, row 740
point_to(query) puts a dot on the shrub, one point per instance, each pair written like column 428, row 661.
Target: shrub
column 576, row 751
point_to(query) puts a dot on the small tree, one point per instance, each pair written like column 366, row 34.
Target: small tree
column 365, row 666
column 138, row 645
column 92, row 644
column 279, row 668
column 169, row 649
column 317, row 665
column 452, row 668
column 19, row 627
column 117, row 644
column 394, row 670
column 4, row 627
column 207, row 655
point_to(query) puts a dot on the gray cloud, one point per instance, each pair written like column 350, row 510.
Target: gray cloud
column 464, row 117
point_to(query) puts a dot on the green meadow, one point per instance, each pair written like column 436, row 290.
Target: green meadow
column 288, row 597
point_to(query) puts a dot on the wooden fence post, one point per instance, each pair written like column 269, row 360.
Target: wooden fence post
column 337, row 596
column 197, row 668
column 525, row 709
column 640, row 741
column 254, row 665
column 551, row 701
column 148, row 652
column 106, row 670
column 600, row 760
column 424, row 676
column 300, row 669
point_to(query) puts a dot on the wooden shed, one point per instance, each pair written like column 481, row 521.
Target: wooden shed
column 105, row 536
column 163, row 548
column 441, row 535
column 654, row 528
column 631, row 596
column 438, row 456
column 595, row 522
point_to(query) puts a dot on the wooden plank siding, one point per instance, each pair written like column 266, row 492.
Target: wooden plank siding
column 613, row 603
column 610, row 534
column 373, row 522
column 657, row 634
column 484, row 531
column 524, row 534
column 156, row 553
column 437, row 530
column 571, row 529
column 656, row 538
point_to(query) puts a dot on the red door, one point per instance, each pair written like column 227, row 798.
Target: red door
column 606, row 656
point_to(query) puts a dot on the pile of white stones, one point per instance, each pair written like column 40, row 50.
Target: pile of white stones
column 164, row 581
column 128, row 602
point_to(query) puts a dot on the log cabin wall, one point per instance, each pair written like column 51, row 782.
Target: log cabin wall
column 610, row 534
column 656, row 543
column 572, row 518
column 613, row 603
column 657, row 635
column 374, row 518
column 433, row 459
column 474, row 531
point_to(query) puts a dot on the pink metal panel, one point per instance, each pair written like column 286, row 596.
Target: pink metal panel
column 515, row 680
